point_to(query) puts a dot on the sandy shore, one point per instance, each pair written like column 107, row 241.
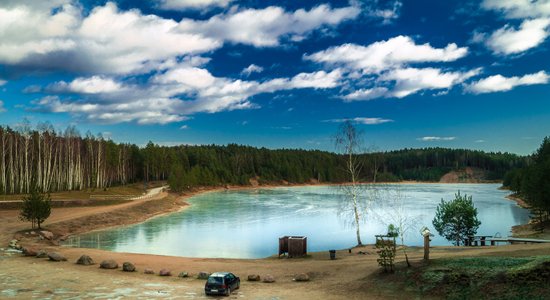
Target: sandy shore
column 344, row 278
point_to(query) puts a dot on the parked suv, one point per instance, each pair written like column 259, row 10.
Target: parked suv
column 221, row 283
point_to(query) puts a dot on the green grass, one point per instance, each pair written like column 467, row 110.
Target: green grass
column 473, row 278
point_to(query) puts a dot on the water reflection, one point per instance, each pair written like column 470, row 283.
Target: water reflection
column 247, row 223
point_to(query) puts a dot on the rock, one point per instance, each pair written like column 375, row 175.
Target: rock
column 269, row 279
column 29, row 252
column 254, row 277
column 128, row 267
column 301, row 277
column 183, row 275
column 13, row 244
column 54, row 256
column 85, row 260
column 203, row 275
column 47, row 234
column 41, row 254
column 165, row 272
column 108, row 264
column 149, row 271
column 33, row 233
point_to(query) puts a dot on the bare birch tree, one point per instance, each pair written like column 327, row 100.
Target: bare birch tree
column 348, row 141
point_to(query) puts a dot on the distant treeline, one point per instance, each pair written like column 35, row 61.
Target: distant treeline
column 532, row 183
column 59, row 161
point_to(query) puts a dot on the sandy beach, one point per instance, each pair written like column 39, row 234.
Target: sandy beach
column 347, row 277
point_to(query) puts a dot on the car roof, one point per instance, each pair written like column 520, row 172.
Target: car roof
column 219, row 274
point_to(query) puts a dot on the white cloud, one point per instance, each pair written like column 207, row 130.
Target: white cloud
column 2, row 108
column 519, row 9
column 2, row 82
column 508, row 40
column 366, row 94
column 142, row 111
column 266, row 27
column 192, row 4
column 107, row 40
column 126, row 42
column 113, row 41
column 317, row 80
column 171, row 96
column 411, row 80
column 362, row 120
column 387, row 14
column 499, row 83
column 90, row 85
column 26, row 30
column 252, row 69
column 393, row 53
column 182, row 127
column 436, row 138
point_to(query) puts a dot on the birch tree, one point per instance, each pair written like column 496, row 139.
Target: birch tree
column 356, row 198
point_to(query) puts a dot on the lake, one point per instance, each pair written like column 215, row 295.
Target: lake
column 247, row 223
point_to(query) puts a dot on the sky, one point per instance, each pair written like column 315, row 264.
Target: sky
column 281, row 74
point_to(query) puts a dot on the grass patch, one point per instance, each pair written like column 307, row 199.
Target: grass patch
column 475, row 278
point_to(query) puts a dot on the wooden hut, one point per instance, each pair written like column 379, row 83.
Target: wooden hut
column 293, row 246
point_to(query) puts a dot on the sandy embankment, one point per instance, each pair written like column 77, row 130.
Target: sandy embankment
column 345, row 278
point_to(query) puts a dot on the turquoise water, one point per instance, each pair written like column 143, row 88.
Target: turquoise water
column 248, row 223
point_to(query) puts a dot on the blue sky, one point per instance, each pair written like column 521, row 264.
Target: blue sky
column 281, row 74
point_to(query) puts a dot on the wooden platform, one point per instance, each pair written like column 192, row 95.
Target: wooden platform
column 517, row 240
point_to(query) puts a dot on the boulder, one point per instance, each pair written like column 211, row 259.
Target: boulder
column 269, row 279
column 41, row 254
column 165, row 272
column 108, row 264
column 47, row 234
column 148, row 271
column 301, row 277
column 203, row 275
column 128, row 267
column 254, row 277
column 85, row 260
column 13, row 244
column 29, row 251
column 183, row 275
column 54, row 256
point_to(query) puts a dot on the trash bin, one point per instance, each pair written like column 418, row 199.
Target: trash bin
column 332, row 254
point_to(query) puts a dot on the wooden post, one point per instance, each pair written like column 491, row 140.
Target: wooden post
column 426, row 247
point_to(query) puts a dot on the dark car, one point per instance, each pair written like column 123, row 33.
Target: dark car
column 222, row 283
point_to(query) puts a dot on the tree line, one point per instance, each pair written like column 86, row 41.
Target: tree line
column 65, row 160
column 532, row 182
column 53, row 161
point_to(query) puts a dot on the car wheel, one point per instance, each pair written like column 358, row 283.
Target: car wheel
column 228, row 291
column 238, row 286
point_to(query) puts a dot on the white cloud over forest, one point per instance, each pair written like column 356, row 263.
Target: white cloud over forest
column 499, row 83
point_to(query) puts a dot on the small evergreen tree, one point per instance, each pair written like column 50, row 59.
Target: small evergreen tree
column 456, row 220
column 36, row 208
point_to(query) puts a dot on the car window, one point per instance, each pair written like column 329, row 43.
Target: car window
column 215, row 280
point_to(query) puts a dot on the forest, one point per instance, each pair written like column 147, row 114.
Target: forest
column 53, row 161
column 532, row 182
